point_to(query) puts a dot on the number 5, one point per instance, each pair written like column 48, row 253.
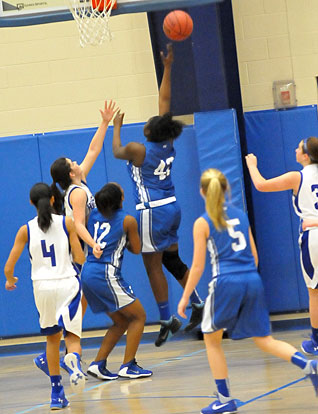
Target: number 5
column 240, row 243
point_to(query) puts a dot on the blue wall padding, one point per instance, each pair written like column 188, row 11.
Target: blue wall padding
column 19, row 170
column 218, row 144
column 273, row 136
column 26, row 160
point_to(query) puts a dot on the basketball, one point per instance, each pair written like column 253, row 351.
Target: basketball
column 178, row 25
column 100, row 4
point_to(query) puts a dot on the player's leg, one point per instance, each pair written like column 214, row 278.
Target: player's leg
column 310, row 347
column 98, row 367
column 180, row 271
column 136, row 317
column 309, row 265
column 225, row 403
column 289, row 353
column 170, row 324
column 58, row 399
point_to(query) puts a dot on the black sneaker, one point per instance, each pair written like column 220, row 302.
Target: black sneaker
column 196, row 316
column 168, row 328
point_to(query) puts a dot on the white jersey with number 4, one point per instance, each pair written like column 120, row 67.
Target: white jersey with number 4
column 306, row 200
column 50, row 252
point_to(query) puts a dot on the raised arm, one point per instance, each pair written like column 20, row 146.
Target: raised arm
column 200, row 235
column 97, row 141
column 165, row 87
column 77, row 251
column 20, row 241
column 131, row 229
column 133, row 151
column 288, row 181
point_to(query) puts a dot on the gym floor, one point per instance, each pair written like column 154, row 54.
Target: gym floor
column 181, row 383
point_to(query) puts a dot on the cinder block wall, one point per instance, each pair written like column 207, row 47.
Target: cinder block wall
column 48, row 82
column 276, row 40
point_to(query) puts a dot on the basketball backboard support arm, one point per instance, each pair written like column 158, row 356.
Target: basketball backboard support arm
column 13, row 13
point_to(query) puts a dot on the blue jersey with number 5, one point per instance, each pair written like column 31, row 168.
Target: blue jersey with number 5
column 152, row 181
column 229, row 249
column 109, row 234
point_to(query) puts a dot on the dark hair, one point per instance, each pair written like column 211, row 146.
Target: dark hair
column 60, row 172
column 310, row 147
column 162, row 127
column 108, row 199
column 40, row 195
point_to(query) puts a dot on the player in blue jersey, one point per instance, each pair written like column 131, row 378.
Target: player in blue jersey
column 158, row 212
column 236, row 299
column 56, row 287
column 104, row 287
column 304, row 186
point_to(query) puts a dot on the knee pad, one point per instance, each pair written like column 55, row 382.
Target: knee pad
column 174, row 264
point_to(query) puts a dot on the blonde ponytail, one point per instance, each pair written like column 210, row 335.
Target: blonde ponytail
column 214, row 185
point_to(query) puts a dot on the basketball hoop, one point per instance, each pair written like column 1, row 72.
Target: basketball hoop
column 92, row 18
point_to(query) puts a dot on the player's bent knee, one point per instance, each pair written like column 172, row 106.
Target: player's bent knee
column 174, row 264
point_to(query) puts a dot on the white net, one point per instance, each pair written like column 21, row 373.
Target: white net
column 92, row 18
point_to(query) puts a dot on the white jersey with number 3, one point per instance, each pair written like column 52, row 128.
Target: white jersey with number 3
column 50, row 252
column 306, row 201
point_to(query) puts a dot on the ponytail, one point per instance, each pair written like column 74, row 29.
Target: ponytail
column 109, row 199
column 214, row 185
column 58, row 204
column 40, row 195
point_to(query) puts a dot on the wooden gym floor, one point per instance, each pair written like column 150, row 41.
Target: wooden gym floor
column 181, row 384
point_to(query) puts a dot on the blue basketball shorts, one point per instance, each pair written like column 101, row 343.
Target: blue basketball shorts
column 104, row 288
column 236, row 303
column 158, row 227
column 308, row 243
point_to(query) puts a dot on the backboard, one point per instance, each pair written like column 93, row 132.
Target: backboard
column 23, row 13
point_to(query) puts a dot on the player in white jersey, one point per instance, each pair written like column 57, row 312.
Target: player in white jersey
column 77, row 200
column 56, row 286
column 304, row 185
column 157, row 210
column 236, row 299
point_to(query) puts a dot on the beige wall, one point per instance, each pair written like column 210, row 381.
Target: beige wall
column 276, row 40
column 48, row 82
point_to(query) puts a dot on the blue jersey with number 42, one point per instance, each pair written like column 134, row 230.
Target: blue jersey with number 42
column 152, row 181
column 109, row 234
column 229, row 249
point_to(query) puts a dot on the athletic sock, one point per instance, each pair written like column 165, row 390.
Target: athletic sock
column 300, row 360
column 223, row 388
column 315, row 334
column 164, row 310
column 56, row 383
column 195, row 298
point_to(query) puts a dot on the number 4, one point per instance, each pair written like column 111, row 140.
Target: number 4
column 50, row 253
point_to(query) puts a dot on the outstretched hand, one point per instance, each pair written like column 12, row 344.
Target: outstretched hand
column 119, row 118
column 109, row 111
column 168, row 58
column 11, row 285
column 251, row 160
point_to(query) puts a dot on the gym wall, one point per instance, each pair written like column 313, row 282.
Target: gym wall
column 25, row 160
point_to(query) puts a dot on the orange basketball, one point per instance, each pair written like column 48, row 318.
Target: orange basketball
column 99, row 4
column 178, row 25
